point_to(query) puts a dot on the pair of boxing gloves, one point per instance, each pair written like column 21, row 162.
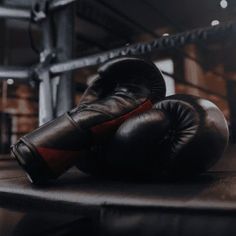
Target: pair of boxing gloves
column 125, row 127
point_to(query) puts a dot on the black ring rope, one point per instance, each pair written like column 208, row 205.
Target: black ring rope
column 138, row 49
column 154, row 34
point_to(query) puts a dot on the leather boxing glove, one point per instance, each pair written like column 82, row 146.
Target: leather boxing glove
column 181, row 135
column 124, row 87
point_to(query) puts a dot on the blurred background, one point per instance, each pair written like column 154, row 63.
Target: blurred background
column 202, row 69
column 206, row 69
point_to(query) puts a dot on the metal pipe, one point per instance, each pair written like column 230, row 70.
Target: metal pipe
column 65, row 31
column 55, row 4
column 8, row 72
column 25, row 14
column 46, row 112
column 9, row 12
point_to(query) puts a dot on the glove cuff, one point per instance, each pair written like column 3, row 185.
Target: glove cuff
column 49, row 151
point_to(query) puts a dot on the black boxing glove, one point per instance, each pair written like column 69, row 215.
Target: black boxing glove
column 181, row 135
column 124, row 87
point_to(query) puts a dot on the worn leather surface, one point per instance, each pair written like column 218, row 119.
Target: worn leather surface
column 150, row 222
column 213, row 190
column 182, row 135
column 10, row 169
column 123, row 87
column 205, row 205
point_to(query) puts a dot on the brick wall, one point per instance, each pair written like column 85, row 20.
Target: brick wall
column 20, row 100
column 206, row 79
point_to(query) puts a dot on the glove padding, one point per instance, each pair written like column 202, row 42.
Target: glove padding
column 124, row 87
column 182, row 135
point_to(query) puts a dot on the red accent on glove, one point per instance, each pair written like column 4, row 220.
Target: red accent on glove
column 58, row 160
column 104, row 130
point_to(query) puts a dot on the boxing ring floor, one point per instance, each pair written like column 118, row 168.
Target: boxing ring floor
column 77, row 203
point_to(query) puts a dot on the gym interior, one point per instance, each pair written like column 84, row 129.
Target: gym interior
column 117, row 117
